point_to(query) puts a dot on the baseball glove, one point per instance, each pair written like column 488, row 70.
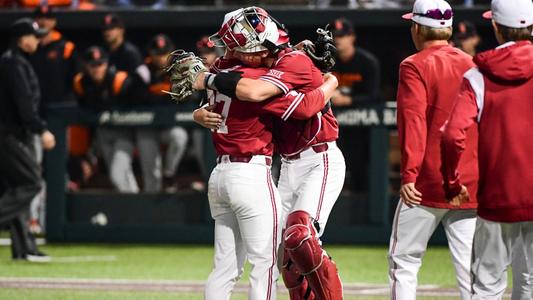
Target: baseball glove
column 183, row 68
column 323, row 51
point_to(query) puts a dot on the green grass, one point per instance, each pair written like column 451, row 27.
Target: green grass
column 178, row 262
column 361, row 264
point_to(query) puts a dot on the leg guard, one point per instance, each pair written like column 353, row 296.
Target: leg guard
column 301, row 243
column 295, row 282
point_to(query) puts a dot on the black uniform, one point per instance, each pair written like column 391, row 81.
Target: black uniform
column 128, row 58
column 115, row 90
column 56, row 63
column 358, row 78
column 20, row 174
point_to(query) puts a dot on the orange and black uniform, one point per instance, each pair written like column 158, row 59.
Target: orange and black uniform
column 159, row 81
column 55, row 63
column 359, row 77
column 112, row 92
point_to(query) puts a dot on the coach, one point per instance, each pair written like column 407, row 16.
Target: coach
column 498, row 95
column 20, row 173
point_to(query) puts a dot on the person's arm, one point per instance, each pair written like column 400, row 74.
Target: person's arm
column 206, row 117
column 24, row 99
column 412, row 130
column 302, row 106
column 292, row 71
column 453, row 141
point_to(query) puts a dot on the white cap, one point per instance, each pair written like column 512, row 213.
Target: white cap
column 431, row 13
column 511, row 13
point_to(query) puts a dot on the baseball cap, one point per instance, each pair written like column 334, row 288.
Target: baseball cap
column 463, row 30
column 160, row 44
column 205, row 46
column 511, row 13
column 431, row 13
column 44, row 11
column 25, row 26
column 94, row 55
column 112, row 21
column 341, row 27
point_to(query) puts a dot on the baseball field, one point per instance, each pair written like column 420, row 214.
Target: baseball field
column 81, row 271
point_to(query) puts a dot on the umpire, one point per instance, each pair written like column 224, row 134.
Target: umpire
column 20, row 174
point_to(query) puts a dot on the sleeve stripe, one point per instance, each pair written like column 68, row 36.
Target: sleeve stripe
column 478, row 85
column 275, row 82
column 292, row 107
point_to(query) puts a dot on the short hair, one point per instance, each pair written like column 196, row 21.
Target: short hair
column 435, row 34
column 515, row 34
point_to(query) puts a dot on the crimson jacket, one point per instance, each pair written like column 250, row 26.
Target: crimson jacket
column 428, row 86
column 498, row 95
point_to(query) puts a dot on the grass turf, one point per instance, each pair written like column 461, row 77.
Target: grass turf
column 178, row 262
column 361, row 264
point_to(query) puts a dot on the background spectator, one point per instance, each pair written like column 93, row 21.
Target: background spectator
column 149, row 139
column 465, row 37
column 358, row 73
column 123, row 55
column 100, row 87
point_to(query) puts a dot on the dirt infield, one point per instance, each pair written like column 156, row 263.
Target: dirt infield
column 171, row 286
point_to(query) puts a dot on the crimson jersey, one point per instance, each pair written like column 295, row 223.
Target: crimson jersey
column 294, row 70
column 247, row 126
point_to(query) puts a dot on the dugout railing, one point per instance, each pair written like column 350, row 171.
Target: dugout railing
column 184, row 217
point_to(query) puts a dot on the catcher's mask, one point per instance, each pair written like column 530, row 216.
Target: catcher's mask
column 250, row 29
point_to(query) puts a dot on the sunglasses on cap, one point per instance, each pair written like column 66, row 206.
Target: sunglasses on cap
column 436, row 14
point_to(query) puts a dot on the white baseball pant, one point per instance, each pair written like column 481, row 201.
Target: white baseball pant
column 312, row 183
column 411, row 231
column 245, row 205
column 494, row 247
column 522, row 280
column 152, row 165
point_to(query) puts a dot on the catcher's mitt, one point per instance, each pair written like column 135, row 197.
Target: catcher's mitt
column 183, row 68
column 322, row 52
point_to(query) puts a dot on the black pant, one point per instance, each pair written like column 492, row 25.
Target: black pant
column 20, row 175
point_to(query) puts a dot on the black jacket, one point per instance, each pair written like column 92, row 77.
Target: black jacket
column 55, row 64
column 19, row 94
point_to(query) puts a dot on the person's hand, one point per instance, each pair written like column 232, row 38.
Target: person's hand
column 301, row 45
column 208, row 119
column 48, row 140
column 331, row 77
column 410, row 195
column 461, row 198
column 199, row 82
column 339, row 99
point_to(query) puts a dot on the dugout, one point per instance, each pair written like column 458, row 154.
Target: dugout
column 184, row 218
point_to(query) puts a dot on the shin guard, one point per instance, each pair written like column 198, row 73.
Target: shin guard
column 301, row 243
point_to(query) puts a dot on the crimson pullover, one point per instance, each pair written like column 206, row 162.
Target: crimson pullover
column 498, row 95
column 428, row 86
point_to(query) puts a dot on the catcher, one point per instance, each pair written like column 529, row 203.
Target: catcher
column 310, row 155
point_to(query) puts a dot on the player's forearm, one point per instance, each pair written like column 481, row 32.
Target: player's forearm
column 311, row 103
column 452, row 146
column 254, row 90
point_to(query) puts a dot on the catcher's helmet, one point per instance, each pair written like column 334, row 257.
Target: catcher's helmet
column 249, row 30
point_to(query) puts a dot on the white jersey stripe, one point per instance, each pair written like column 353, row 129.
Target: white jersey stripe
column 478, row 85
column 275, row 82
column 292, row 107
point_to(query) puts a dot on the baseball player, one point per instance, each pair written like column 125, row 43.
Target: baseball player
column 313, row 168
column 496, row 95
column 243, row 141
column 100, row 87
column 157, row 171
column 428, row 84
